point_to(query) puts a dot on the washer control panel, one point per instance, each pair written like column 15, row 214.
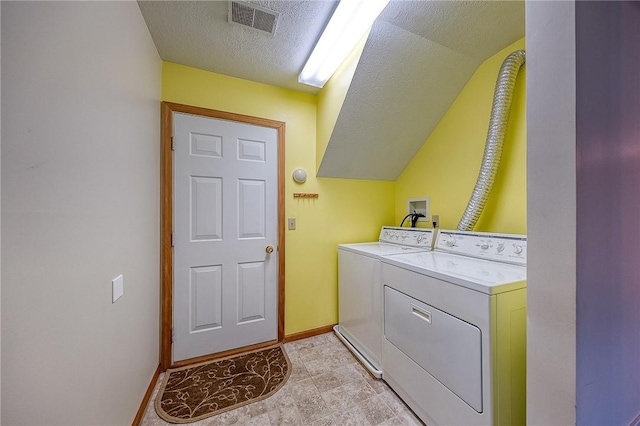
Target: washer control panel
column 413, row 237
column 508, row 248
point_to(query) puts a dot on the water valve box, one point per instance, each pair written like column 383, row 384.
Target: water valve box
column 419, row 205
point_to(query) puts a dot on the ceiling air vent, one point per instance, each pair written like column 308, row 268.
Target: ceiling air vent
column 253, row 16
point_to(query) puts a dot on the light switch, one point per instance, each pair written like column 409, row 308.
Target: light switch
column 117, row 288
column 292, row 223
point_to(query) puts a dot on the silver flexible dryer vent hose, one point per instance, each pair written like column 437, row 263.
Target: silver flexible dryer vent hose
column 495, row 138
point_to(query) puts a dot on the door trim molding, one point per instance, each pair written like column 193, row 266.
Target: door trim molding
column 166, row 208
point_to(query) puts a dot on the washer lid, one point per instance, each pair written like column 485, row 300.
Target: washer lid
column 379, row 249
column 476, row 274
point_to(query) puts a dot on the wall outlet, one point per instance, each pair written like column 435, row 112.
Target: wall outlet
column 292, row 223
column 117, row 288
column 435, row 220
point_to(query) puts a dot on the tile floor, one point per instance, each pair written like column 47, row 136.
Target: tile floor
column 327, row 386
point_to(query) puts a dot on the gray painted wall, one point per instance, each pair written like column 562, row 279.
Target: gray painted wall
column 583, row 161
column 80, row 205
column 0, row 218
column 551, row 213
column 608, row 221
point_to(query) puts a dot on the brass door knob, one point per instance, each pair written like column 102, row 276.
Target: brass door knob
column 269, row 249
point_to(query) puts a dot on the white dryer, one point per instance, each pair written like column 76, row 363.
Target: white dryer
column 454, row 342
column 360, row 292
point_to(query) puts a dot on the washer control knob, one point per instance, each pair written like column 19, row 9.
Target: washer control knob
column 500, row 247
column 517, row 248
column 450, row 243
column 484, row 246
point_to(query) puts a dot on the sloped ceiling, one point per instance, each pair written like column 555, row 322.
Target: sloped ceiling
column 418, row 57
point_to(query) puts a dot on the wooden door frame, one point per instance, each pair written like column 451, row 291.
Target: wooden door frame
column 166, row 222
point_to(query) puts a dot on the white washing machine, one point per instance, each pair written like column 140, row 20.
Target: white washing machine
column 360, row 289
column 454, row 343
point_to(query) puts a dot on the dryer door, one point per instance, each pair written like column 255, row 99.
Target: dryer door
column 444, row 346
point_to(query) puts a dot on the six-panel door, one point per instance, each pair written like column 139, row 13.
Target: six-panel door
column 225, row 216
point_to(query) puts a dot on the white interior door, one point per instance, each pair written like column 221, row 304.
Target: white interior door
column 225, row 188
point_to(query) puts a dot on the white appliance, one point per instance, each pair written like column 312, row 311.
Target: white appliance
column 454, row 341
column 360, row 302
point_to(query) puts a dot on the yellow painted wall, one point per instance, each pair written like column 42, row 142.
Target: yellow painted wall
column 331, row 98
column 346, row 210
column 446, row 167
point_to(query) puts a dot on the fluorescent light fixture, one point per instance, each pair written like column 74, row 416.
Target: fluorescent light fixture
column 350, row 21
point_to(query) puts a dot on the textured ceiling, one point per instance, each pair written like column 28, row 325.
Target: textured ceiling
column 197, row 34
column 418, row 57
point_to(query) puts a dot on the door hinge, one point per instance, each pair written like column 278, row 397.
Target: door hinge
column 173, row 335
column 173, row 144
column 172, row 243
